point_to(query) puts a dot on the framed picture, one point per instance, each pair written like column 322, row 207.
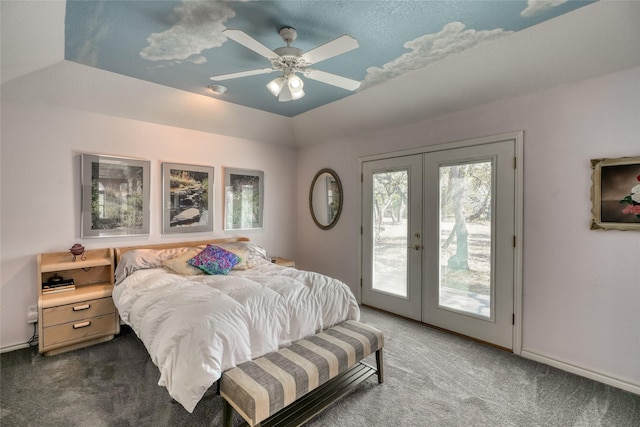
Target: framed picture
column 243, row 199
column 115, row 196
column 187, row 198
column 615, row 194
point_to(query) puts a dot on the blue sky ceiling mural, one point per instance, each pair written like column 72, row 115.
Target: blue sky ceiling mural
column 181, row 44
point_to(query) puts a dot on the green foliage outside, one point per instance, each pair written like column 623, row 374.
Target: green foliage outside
column 465, row 222
column 115, row 213
column 244, row 198
column 179, row 179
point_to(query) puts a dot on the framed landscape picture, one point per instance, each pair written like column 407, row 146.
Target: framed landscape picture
column 615, row 194
column 115, row 196
column 243, row 199
column 187, row 198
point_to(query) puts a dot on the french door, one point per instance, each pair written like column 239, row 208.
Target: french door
column 438, row 238
column 392, row 230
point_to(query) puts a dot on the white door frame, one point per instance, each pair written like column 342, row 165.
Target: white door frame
column 518, row 138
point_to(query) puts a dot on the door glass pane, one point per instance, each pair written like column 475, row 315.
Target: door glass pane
column 465, row 238
column 390, row 237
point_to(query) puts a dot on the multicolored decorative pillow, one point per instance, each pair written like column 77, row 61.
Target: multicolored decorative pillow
column 215, row 260
column 243, row 264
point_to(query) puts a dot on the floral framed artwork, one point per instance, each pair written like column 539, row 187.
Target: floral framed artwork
column 187, row 198
column 615, row 194
column 243, row 199
column 115, row 196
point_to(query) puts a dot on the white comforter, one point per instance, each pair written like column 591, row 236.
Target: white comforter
column 196, row 327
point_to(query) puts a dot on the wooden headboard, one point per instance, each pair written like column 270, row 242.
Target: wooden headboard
column 121, row 251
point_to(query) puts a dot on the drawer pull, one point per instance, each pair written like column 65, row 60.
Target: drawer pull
column 82, row 307
column 82, row 325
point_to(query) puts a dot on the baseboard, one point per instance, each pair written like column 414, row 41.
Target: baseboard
column 565, row 366
column 14, row 347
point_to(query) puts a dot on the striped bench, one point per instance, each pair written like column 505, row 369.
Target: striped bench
column 297, row 382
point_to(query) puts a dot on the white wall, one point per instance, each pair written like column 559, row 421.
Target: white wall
column 581, row 288
column 42, row 137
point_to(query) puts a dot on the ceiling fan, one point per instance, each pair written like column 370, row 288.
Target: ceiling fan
column 291, row 60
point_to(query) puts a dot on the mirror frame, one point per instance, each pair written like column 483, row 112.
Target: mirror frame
column 340, row 198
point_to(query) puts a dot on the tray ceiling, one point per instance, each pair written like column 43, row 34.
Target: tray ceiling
column 181, row 44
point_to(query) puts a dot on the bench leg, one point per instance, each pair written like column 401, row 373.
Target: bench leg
column 379, row 364
column 227, row 414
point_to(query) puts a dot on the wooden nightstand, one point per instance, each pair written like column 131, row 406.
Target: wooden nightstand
column 79, row 317
column 283, row 262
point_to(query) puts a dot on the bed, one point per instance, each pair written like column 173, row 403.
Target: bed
column 195, row 325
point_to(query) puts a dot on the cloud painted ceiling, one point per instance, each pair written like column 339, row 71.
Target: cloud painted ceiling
column 180, row 44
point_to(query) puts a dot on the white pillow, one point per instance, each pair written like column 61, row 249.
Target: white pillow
column 250, row 253
column 179, row 264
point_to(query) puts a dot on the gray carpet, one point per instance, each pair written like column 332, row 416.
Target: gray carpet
column 431, row 379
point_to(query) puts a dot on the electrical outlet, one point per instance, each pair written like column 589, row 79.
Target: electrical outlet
column 32, row 314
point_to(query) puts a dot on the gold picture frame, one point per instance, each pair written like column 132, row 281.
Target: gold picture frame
column 615, row 194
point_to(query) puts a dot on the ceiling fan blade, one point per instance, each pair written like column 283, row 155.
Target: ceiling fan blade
column 250, row 43
column 242, row 74
column 332, row 79
column 330, row 49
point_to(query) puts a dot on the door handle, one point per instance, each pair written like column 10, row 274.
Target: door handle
column 415, row 247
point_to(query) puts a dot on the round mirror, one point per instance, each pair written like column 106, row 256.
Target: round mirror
column 325, row 198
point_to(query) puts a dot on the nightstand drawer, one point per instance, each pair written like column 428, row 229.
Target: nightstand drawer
column 87, row 328
column 78, row 311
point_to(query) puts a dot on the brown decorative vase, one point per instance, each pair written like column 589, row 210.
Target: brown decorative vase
column 77, row 249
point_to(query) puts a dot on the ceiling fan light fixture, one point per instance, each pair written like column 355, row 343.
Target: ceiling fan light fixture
column 275, row 86
column 285, row 95
column 290, row 60
column 288, row 95
column 295, row 83
column 293, row 89
column 297, row 94
column 287, row 88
